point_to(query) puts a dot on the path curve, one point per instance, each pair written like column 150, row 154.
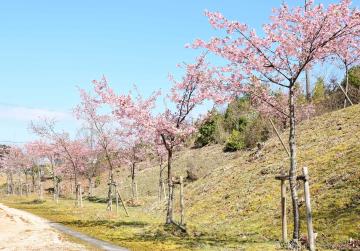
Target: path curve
column 20, row 230
column 95, row 242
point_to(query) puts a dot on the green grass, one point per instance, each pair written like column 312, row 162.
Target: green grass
column 138, row 232
column 235, row 203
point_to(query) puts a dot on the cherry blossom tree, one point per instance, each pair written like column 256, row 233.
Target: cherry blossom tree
column 36, row 152
column 15, row 162
column 43, row 151
column 160, row 155
column 4, row 151
column 133, row 121
column 174, row 127
column 103, row 133
column 95, row 159
column 134, row 152
column 272, row 104
column 293, row 41
column 73, row 152
column 348, row 54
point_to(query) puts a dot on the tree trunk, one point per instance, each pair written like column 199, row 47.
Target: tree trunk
column 169, row 214
column 133, row 189
column 80, row 196
column 26, row 184
column 308, row 91
column 161, row 182
column 20, row 185
column 33, row 179
column 346, row 83
column 111, row 182
column 71, row 186
column 57, row 191
column 54, row 181
column 110, row 198
column 8, row 184
column 76, row 187
column 307, row 72
column 292, row 171
column 39, row 183
column 91, row 186
column 12, row 183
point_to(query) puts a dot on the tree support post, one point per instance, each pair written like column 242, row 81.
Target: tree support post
column 180, row 182
column 41, row 191
column 136, row 193
column 283, row 178
column 110, row 198
column 345, row 93
column 27, row 189
column 182, row 206
column 80, row 195
column 169, row 215
column 123, row 204
column 57, row 192
column 279, row 137
column 77, row 195
column 116, row 198
column 283, row 212
column 310, row 230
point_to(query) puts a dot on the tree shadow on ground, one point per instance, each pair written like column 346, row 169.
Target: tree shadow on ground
column 161, row 234
column 104, row 223
column 189, row 242
column 33, row 202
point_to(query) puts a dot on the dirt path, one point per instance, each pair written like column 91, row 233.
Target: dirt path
column 20, row 230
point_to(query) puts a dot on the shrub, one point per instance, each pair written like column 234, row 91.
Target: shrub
column 211, row 131
column 235, row 142
column 319, row 90
column 257, row 131
column 206, row 134
column 354, row 76
column 235, row 114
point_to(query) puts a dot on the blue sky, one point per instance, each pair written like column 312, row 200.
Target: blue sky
column 48, row 48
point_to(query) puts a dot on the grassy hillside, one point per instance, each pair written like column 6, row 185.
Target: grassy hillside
column 237, row 196
column 235, row 203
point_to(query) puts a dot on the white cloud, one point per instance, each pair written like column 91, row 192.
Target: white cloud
column 20, row 113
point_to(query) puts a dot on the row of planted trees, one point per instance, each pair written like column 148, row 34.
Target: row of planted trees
column 295, row 40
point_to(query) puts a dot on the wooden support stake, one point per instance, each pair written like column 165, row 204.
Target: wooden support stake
column 310, row 229
column 278, row 135
column 20, row 186
column 41, row 191
column 164, row 189
column 136, row 192
column 182, row 206
column 71, row 188
column 77, row 195
column 171, row 199
column 342, row 89
column 109, row 204
column 123, row 204
column 27, row 189
column 80, row 196
column 283, row 211
column 117, row 199
column 57, row 192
